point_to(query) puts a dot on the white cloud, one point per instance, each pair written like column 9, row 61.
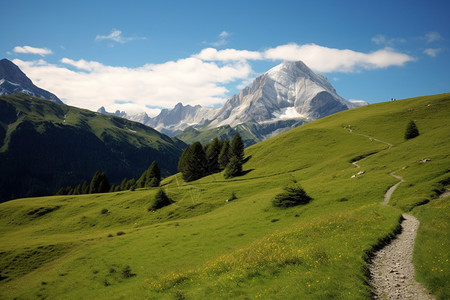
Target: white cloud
column 200, row 79
column 318, row 58
column 433, row 52
column 221, row 39
column 32, row 50
column 324, row 59
column 92, row 85
column 432, row 37
column 211, row 54
column 116, row 36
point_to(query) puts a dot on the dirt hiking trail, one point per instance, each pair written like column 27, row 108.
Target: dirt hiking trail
column 391, row 269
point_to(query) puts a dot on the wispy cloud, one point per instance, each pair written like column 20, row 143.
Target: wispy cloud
column 222, row 39
column 432, row 37
column 116, row 36
column 32, row 50
column 433, row 52
column 380, row 39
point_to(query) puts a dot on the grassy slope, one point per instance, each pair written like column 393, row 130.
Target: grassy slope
column 70, row 144
column 202, row 246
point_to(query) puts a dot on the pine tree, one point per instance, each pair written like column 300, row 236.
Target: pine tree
column 77, row 190
column 411, row 131
column 212, row 156
column 234, row 168
column 224, row 155
column 161, row 200
column 104, row 186
column 193, row 162
column 93, row 187
column 140, row 183
column 99, row 183
column 131, row 184
column 154, row 172
column 182, row 162
column 85, row 188
column 237, row 147
column 123, row 184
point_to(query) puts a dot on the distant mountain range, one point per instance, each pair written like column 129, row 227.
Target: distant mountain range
column 284, row 97
column 13, row 80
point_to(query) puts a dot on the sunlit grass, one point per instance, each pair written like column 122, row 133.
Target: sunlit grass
column 204, row 247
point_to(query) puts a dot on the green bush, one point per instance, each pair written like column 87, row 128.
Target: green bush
column 161, row 200
column 293, row 195
column 411, row 131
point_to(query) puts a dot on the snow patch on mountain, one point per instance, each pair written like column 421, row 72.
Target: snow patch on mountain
column 289, row 91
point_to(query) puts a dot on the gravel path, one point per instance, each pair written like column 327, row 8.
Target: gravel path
column 391, row 269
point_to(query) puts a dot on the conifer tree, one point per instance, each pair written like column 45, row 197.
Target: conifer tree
column 131, row 184
column 212, row 156
column 224, row 155
column 237, row 147
column 104, row 185
column 154, row 172
column 150, row 177
column 123, row 184
column 85, row 188
column 77, row 190
column 233, row 168
column 411, row 131
column 161, row 200
column 193, row 163
column 183, row 159
column 99, row 183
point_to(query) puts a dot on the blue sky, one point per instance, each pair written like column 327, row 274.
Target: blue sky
column 145, row 55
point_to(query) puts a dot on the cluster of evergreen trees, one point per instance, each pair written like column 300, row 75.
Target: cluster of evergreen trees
column 100, row 183
column 198, row 161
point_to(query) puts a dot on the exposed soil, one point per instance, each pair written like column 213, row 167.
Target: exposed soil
column 391, row 269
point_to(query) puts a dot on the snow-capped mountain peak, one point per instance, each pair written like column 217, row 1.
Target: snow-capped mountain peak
column 289, row 91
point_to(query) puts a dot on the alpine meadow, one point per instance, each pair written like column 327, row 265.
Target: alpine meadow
column 224, row 237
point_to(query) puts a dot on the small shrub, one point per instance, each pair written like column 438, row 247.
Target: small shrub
column 126, row 272
column 105, row 211
column 232, row 197
column 293, row 195
column 120, row 233
column 161, row 200
column 411, row 131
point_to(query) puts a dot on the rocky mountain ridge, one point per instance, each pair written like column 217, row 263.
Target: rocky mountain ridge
column 287, row 92
column 13, row 80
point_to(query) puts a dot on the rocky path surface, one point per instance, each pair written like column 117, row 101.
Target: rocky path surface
column 392, row 271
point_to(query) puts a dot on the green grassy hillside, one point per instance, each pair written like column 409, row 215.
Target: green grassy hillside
column 110, row 246
column 44, row 146
column 250, row 132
